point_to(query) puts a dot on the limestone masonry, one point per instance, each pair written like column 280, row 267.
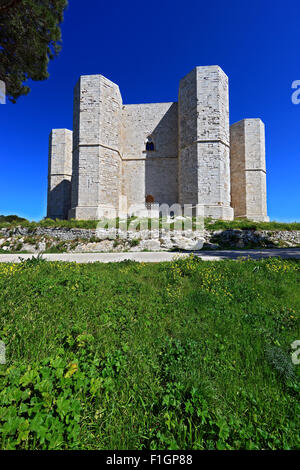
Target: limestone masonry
column 124, row 159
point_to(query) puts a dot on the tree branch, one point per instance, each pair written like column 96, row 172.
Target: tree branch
column 9, row 5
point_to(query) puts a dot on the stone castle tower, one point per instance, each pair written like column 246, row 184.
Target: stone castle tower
column 120, row 156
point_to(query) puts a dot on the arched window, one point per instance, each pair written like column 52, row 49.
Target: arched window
column 149, row 199
column 150, row 147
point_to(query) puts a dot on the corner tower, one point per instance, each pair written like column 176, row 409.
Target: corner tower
column 204, row 167
column 248, row 169
column 59, row 174
column 97, row 165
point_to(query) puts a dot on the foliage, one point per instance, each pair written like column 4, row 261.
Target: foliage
column 245, row 224
column 30, row 36
column 181, row 355
column 43, row 404
column 281, row 362
column 13, row 221
column 6, row 222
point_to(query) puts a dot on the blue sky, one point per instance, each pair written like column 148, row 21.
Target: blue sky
column 146, row 47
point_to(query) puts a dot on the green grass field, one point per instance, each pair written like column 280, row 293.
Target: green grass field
column 185, row 355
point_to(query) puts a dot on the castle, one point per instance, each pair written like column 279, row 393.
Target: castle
column 120, row 156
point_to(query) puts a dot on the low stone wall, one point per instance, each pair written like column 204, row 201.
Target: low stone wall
column 60, row 233
column 91, row 240
column 254, row 238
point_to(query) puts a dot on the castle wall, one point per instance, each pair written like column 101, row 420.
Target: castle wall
column 133, row 181
column 204, row 168
column 190, row 162
column 97, row 169
column 59, row 173
column 248, row 169
column 155, row 172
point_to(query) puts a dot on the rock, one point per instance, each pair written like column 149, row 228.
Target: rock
column 42, row 246
column 198, row 244
column 166, row 243
column 103, row 246
column 162, row 239
column 151, row 245
column 188, row 244
column 29, row 248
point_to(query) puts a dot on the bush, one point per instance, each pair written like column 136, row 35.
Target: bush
column 12, row 219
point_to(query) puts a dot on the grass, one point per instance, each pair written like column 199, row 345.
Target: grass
column 13, row 252
column 244, row 224
column 238, row 224
column 181, row 355
column 15, row 221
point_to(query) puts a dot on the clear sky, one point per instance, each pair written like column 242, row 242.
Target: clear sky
column 146, row 47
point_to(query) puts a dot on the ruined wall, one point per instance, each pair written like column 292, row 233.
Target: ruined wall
column 248, row 169
column 97, row 170
column 59, row 173
column 150, row 172
column 204, row 168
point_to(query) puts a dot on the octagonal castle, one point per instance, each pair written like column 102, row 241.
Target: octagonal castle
column 119, row 158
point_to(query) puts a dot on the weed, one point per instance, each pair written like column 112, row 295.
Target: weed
column 182, row 355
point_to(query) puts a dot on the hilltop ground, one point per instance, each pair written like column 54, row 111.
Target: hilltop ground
column 181, row 355
column 57, row 236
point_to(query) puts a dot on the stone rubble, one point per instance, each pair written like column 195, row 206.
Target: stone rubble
column 89, row 240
